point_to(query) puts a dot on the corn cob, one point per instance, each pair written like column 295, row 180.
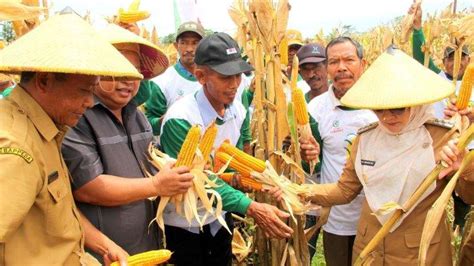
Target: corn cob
column 244, row 180
column 207, row 141
column 188, row 149
column 147, row 258
column 284, row 51
column 299, row 103
column 244, row 158
column 466, row 88
column 132, row 15
column 234, row 163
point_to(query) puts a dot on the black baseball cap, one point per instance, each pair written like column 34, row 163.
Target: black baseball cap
column 449, row 50
column 222, row 54
column 311, row 53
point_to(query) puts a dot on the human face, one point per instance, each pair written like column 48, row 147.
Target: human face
column 292, row 50
column 344, row 67
column 219, row 89
column 395, row 120
column 66, row 98
column 448, row 63
column 186, row 46
column 117, row 94
column 315, row 74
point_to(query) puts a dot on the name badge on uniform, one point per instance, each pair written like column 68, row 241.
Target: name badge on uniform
column 367, row 162
column 52, row 177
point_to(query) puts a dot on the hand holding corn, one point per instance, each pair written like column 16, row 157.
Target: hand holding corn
column 172, row 181
column 114, row 253
column 309, row 149
column 452, row 156
column 268, row 218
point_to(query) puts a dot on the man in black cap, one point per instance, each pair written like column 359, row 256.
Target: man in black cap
column 218, row 69
column 312, row 68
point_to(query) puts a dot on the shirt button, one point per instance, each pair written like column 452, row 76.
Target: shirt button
column 21, row 111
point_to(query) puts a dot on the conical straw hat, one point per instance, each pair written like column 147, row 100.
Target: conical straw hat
column 65, row 44
column 395, row 80
column 153, row 60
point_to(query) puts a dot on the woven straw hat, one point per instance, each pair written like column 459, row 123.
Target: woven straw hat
column 395, row 80
column 153, row 61
column 65, row 44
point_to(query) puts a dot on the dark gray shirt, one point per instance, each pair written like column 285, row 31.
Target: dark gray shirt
column 100, row 144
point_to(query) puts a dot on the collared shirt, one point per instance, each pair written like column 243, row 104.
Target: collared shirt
column 337, row 127
column 195, row 109
column 101, row 144
column 39, row 221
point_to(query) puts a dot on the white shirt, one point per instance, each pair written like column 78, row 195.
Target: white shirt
column 338, row 128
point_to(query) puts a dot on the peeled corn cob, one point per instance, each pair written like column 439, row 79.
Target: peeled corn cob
column 234, row 163
column 152, row 257
column 299, row 103
column 466, row 88
column 188, row 149
column 243, row 158
column 244, row 180
column 132, row 15
column 207, row 141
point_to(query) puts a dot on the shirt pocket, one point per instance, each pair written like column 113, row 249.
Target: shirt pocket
column 58, row 215
column 412, row 240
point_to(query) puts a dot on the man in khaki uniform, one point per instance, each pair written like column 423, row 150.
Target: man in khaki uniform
column 40, row 223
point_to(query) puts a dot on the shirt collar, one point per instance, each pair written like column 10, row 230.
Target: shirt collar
column 184, row 72
column 38, row 116
column 208, row 113
column 334, row 102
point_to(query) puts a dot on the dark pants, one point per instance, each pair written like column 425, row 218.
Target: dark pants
column 310, row 221
column 338, row 249
column 200, row 249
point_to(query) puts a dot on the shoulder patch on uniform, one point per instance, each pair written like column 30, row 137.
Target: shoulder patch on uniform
column 368, row 127
column 18, row 152
column 440, row 123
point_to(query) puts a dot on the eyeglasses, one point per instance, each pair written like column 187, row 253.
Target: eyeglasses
column 394, row 111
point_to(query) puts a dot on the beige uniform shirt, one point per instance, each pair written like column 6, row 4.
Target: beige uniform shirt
column 39, row 222
column 401, row 246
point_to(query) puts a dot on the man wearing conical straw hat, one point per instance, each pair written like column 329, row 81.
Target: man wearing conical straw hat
column 390, row 159
column 60, row 63
column 106, row 155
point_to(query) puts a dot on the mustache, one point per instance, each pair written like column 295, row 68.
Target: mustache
column 188, row 54
column 314, row 79
column 343, row 76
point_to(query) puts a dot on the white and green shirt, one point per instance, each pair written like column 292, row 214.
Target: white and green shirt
column 195, row 109
column 335, row 128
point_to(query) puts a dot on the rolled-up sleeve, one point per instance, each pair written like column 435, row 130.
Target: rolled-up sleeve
column 81, row 154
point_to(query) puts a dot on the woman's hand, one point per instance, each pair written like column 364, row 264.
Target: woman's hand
column 452, row 156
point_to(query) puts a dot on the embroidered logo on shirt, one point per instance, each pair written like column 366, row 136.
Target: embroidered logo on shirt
column 18, row 152
column 336, row 127
column 367, row 162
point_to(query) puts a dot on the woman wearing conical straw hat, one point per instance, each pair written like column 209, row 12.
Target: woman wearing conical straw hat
column 389, row 159
column 106, row 155
column 60, row 63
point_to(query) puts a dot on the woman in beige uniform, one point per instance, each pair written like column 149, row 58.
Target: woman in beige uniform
column 390, row 158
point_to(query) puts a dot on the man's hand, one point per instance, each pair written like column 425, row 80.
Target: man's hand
column 114, row 253
column 171, row 181
column 415, row 8
column 309, row 149
column 451, row 110
column 268, row 218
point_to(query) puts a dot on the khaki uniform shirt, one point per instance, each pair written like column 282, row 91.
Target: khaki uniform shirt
column 39, row 222
column 401, row 246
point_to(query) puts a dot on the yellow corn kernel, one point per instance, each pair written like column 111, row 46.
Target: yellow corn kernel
column 132, row 16
column 299, row 105
column 147, row 258
column 207, row 141
column 188, row 149
column 466, row 88
column 244, row 158
column 224, row 157
column 283, row 48
column 244, row 180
